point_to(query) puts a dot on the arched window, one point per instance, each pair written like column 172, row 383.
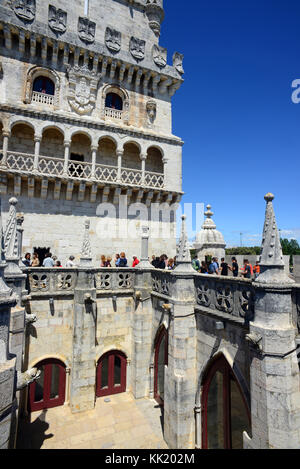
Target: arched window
column 49, row 389
column 44, row 85
column 114, row 101
column 160, row 361
column 111, row 374
column 225, row 412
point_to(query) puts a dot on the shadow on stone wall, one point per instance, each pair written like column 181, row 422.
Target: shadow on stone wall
column 32, row 435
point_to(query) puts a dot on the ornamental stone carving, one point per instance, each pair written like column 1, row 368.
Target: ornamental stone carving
column 137, row 48
column 177, row 62
column 57, row 19
column 113, row 40
column 24, row 9
column 155, row 14
column 10, row 232
column 159, row 55
column 83, row 84
column 86, row 30
column 151, row 110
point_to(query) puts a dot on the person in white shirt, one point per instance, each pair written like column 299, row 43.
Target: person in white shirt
column 70, row 262
column 48, row 261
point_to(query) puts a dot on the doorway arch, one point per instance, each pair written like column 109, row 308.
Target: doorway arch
column 225, row 412
column 160, row 361
column 111, row 374
column 49, row 389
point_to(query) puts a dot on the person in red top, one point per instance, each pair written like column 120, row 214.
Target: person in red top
column 135, row 261
column 256, row 269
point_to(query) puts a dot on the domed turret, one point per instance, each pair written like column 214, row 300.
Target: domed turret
column 209, row 241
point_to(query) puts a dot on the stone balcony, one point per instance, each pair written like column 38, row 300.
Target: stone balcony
column 24, row 163
column 42, row 98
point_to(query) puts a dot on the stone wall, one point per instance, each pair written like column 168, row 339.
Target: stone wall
column 296, row 270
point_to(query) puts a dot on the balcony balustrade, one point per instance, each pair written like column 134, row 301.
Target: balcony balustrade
column 113, row 113
column 42, row 98
column 24, row 163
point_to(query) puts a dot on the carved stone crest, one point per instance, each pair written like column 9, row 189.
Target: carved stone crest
column 159, row 55
column 113, row 39
column 177, row 62
column 86, row 30
column 137, row 48
column 83, row 84
column 24, row 9
column 57, row 19
column 151, row 110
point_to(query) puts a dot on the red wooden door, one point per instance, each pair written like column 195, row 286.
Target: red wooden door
column 225, row 412
column 111, row 374
column 160, row 360
column 49, row 390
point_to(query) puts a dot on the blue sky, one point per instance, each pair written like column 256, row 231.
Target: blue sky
column 234, row 111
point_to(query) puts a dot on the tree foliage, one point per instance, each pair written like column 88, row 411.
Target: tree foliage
column 290, row 247
column 244, row 251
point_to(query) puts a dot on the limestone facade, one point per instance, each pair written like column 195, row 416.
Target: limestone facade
column 92, row 85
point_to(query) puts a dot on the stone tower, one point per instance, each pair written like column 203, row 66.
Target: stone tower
column 209, row 241
column 85, row 114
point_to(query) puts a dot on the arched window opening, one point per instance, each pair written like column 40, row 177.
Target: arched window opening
column 225, row 412
column 22, row 137
column 80, row 154
column 106, row 154
column 49, row 389
column 52, row 144
column 44, row 85
column 154, row 161
column 111, row 374
column 160, row 361
column 114, row 101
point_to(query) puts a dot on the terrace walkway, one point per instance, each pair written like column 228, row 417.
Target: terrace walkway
column 122, row 423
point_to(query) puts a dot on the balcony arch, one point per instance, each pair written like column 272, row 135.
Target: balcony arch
column 52, row 143
column 107, row 151
column 80, row 155
column 154, row 161
column 40, row 97
column 22, row 137
column 115, row 104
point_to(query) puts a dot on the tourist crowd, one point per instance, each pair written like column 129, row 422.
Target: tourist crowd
column 214, row 268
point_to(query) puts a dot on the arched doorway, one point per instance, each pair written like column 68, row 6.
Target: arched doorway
column 225, row 412
column 49, row 389
column 160, row 361
column 111, row 374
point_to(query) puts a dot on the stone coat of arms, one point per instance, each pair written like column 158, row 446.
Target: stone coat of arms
column 24, row 9
column 159, row 55
column 57, row 19
column 113, row 39
column 83, row 85
column 86, row 30
column 137, row 48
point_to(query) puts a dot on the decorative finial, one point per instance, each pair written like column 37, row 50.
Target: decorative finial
column 183, row 257
column 10, row 232
column 271, row 259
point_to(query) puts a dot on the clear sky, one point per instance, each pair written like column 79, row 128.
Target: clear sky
column 234, row 111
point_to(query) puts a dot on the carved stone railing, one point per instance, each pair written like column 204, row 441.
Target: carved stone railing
column 161, row 282
column 57, row 281
column 131, row 176
column 48, row 166
column 225, row 294
column 154, row 180
column 113, row 113
column 20, row 162
column 42, row 98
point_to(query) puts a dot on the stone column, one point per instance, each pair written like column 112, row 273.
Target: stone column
column 94, row 149
column 37, row 145
column 120, row 154
column 67, row 145
column 143, row 160
column 180, row 376
column 165, row 163
column 144, row 260
column 142, row 321
column 274, row 370
column 83, row 375
column 6, row 135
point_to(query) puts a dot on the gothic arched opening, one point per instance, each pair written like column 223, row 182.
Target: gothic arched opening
column 52, row 143
column 225, row 414
column 154, row 161
column 106, row 154
column 111, row 374
column 44, row 85
column 131, row 157
column 22, row 139
column 160, row 361
column 114, row 101
column 80, row 153
column 49, row 389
